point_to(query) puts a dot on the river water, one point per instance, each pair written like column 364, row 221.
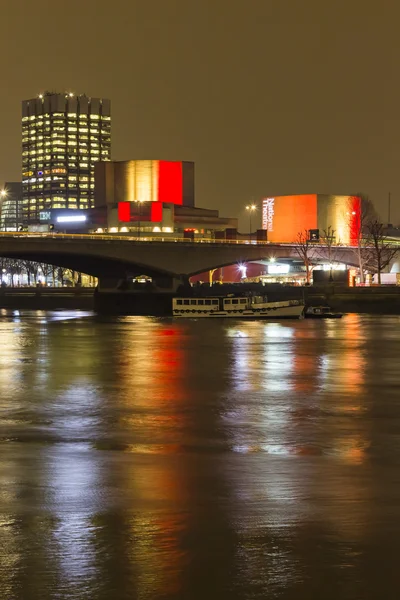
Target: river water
column 145, row 458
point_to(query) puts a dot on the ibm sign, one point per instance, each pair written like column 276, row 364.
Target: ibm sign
column 44, row 216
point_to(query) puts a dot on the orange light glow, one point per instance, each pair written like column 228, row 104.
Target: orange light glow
column 291, row 214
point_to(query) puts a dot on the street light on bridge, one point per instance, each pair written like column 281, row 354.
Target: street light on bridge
column 250, row 208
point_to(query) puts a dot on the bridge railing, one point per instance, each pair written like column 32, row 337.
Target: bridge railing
column 125, row 238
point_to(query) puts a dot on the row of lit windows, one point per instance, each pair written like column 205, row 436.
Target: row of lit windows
column 40, row 207
column 40, row 173
column 93, row 117
column 31, row 203
column 60, row 141
column 81, row 186
column 61, row 134
column 34, row 210
column 60, row 146
column 48, row 203
column 74, row 188
column 75, row 178
column 38, row 141
column 61, row 117
column 64, row 115
column 36, row 163
column 72, row 127
column 93, row 153
column 70, row 148
column 63, row 122
column 47, row 179
column 71, row 165
column 71, row 178
column 46, row 172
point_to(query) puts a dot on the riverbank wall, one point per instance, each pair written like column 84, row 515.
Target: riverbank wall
column 369, row 300
column 47, row 298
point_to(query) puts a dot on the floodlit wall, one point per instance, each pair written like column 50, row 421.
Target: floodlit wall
column 145, row 181
column 285, row 216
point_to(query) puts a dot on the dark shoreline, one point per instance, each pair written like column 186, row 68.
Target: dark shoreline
column 373, row 300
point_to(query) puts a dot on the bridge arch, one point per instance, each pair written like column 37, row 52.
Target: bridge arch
column 114, row 257
column 96, row 266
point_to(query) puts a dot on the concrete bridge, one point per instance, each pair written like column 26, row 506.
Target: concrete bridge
column 111, row 258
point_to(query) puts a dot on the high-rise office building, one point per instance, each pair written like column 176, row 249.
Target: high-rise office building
column 63, row 136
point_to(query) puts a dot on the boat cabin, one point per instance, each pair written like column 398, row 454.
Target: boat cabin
column 215, row 304
column 318, row 310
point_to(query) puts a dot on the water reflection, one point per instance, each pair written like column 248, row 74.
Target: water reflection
column 146, row 458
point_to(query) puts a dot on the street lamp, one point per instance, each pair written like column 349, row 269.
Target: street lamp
column 250, row 208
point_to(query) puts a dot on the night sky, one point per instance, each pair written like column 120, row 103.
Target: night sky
column 267, row 97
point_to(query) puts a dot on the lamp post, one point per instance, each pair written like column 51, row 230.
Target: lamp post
column 250, row 208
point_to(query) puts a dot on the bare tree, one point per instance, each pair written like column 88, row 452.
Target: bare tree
column 30, row 269
column 3, row 267
column 380, row 252
column 15, row 267
column 46, row 270
column 360, row 231
column 34, row 269
column 307, row 251
column 329, row 247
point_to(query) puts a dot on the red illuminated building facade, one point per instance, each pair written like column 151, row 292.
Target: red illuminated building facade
column 283, row 217
column 145, row 181
column 154, row 196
